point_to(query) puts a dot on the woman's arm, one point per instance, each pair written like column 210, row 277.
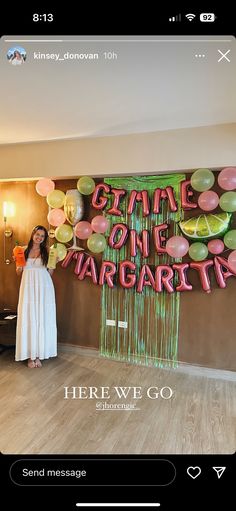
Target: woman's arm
column 19, row 270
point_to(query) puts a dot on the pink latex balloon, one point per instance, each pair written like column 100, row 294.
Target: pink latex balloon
column 56, row 217
column 44, row 186
column 83, row 230
column 232, row 261
column 227, row 178
column 177, row 246
column 100, row 224
column 215, row 246
column 208, row 200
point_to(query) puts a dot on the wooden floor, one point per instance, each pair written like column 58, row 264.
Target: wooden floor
column 36, row 419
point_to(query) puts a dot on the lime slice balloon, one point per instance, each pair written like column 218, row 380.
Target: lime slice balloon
column 206, row 227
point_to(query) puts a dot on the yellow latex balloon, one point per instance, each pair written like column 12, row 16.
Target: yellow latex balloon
column 56, row 199
column 61, row 251
column 64, row 233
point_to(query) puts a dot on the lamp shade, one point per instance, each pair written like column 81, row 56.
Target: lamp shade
column 8, row 209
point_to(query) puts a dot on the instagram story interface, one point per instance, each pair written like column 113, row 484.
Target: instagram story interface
column 118, row 254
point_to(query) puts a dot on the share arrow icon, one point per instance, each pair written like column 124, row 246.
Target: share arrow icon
column 219, row 471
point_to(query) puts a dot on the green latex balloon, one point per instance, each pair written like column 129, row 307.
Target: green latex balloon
column 230, row 239
column 64, row 233
column 198, row 251
column 228, row 201
column 202, row 180
column 96, row 243
column 206, row 227
column 56, row 198
column 61, row 251
column 86, row 185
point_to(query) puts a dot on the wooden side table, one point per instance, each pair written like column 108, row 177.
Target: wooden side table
column 7, row 330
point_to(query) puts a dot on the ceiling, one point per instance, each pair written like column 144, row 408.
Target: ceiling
column 145, row 84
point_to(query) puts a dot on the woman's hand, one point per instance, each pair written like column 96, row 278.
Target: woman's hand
column 19, row 270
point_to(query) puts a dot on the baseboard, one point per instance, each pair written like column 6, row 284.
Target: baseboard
column 207, row 372
column 80, row 350
column 183, row 367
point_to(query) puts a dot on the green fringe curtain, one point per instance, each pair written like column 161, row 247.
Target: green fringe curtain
column 152, row 318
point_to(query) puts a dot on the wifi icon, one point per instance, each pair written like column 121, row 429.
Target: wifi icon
column 190, row 17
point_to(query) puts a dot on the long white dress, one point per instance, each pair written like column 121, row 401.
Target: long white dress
column 36, row 331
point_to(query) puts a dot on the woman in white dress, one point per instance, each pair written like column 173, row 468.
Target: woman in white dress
column 36, row 331
column 17, row 58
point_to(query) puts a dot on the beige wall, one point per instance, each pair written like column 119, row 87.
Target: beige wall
column 184, row 149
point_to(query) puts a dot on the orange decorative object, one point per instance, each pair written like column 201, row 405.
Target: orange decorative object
column 19, row 255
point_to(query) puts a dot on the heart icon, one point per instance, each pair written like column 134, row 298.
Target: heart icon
column 193, row 472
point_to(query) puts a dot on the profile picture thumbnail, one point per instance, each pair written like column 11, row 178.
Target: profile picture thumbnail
column 16, row 55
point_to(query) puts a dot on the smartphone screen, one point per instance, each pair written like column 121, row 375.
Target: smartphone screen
column 118, row 261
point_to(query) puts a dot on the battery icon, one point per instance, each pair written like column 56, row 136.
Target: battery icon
column 207, row 16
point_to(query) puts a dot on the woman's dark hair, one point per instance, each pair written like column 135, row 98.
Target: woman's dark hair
column 42, row 246
column 16, row 52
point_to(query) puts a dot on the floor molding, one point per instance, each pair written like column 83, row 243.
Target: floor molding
column 208, row 372
column 183, row 367
column 80, row 350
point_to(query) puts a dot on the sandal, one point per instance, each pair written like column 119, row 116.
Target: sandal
column 38, row 363
column 31, row 364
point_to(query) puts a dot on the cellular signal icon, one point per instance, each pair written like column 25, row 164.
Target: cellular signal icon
column 190, row 17
column 175, row 18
